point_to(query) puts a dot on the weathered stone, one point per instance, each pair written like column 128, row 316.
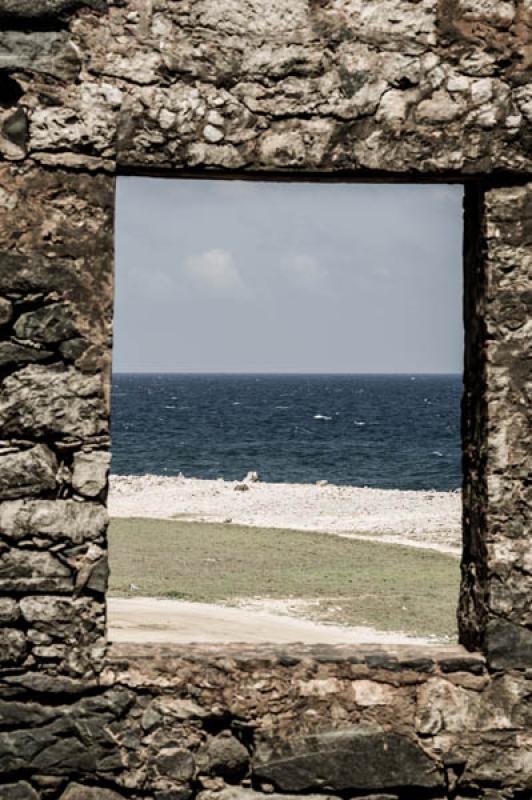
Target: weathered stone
column 47, row 52
column 6, row 310
column 358, row 758
column 52, row 400
column 55, row 519
column 90, row 472
column 18, row 791
column 48, row 324
column 29, row 571
column 508, row 645
column 12, row 353
column 9, row 610
column 239, row 793
column 12, row 646
column 176, row 763
column 34, row 9
column 225, row 756
column 76, row 791
column 27, row 472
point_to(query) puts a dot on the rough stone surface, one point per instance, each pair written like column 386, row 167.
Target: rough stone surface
column 90, row 473
column 27, row 472
column 363, row 757
column 55, row 401
column 368, row 89
column 48, row 324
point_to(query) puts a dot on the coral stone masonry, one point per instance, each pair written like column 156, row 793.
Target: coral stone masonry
column 410, row 90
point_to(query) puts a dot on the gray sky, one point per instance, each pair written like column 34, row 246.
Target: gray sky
column 233, row 276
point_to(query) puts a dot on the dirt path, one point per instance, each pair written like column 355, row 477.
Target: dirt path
column 149, row 619
column 420, row 519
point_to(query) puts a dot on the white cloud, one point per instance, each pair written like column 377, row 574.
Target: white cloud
column 216, row 271
column 305, row 271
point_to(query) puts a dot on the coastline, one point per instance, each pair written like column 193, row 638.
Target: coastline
column 423, row 519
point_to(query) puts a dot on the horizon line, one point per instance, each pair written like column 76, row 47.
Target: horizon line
column 275, row 372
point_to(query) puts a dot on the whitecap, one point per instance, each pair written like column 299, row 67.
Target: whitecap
column 282, row 408
column 359, row 423
column 322, row 416
column 169, row 406
column 437, row 453
column 236, row 404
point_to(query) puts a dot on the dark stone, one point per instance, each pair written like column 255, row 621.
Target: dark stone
column 73, row 349
column 27, row 472
column 24, row 714
column 508, row 646
column 35, row 9
column 226, row 756
column 176, row 763
column 48, row 324
column 18, row 791
column 12, row 354
column 474, row 665
column 10, row 91
column 355, row 759
column 15, row 128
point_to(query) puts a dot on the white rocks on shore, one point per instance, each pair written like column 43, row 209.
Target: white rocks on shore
column 421, row 519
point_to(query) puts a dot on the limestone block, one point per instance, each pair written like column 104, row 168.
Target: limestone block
column 48, row 324
column 12, row 646
column 9, row 610
column 27, row 472
column 28, row 570
column 239, row 793
column 89, row 476
column 362, row 757
column 53, row 400
column 57, row 520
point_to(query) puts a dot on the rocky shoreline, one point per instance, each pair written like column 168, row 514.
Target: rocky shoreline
column 417, row 518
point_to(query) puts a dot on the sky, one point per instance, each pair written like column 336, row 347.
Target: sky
column 242, row 276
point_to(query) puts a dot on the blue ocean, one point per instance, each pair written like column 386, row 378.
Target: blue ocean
column 386, row 431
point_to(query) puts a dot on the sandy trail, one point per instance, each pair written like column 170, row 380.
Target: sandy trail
column 420, row 519
column 149, row 619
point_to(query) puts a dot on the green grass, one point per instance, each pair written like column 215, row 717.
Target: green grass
column 386, row 586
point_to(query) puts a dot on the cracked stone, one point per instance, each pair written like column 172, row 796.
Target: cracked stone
column 27, row 472
column 53, row 400
column 58, row 520
column 47, row 325
column 27, row 570
column 89, row 476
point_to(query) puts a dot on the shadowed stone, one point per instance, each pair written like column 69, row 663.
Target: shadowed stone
column 359, row 758
column 33, row 9
column 47, row 325
column 508, row 646
column 12, row 353
column 27, row 472
column 225, row 755
column 53, row 400
column 28, row 570
column 18, row 791
column 55, row 519
column 6, row 310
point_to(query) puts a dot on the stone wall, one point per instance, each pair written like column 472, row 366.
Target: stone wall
column 353, row 89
